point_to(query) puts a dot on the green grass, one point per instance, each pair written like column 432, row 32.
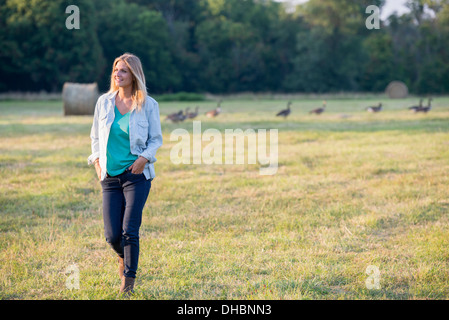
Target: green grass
column 352, row 189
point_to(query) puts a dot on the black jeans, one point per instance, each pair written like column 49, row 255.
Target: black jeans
column 124, row 198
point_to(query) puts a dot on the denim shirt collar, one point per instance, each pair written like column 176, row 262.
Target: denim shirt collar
column 111, row 96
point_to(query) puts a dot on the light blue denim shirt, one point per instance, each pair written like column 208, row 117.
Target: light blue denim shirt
column 144, row 132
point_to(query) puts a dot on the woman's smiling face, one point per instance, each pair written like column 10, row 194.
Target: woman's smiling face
column 122, row 75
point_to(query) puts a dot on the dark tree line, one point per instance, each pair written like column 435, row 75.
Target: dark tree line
column 224, row 46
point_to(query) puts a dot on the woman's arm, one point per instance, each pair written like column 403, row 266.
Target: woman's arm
column 95, row 145
column 154, row 135
column 98, row 168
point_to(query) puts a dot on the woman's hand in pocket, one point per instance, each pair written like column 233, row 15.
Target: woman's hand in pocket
column 138, row 166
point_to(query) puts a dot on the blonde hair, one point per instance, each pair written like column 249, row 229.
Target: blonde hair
column 139, row 90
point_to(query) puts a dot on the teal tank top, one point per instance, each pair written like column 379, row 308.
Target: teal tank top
column 118, row 153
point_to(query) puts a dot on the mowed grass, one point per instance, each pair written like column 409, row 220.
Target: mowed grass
column 352, row 190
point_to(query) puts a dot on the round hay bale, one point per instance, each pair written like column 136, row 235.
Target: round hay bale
column 79, row 99
column 397, row 90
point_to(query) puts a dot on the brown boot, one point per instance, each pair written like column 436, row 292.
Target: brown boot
column 121, row 267
column 127, row 286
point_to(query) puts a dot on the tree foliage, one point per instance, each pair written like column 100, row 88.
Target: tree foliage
column 224, row 46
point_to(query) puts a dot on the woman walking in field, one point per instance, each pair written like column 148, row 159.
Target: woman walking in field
column 126, row 133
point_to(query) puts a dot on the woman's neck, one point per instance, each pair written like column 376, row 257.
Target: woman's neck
column 125, row 93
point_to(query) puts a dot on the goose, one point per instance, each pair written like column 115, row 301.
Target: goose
column 284, row 113
column 375, row 109
column 192, row 115
column 215, row 112
column 183, row 116
column 416, row 108
column 319, row 110
column 178, row 116
column 174, row 116
column 427, row 108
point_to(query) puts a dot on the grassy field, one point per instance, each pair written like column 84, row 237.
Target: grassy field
column 352, row 190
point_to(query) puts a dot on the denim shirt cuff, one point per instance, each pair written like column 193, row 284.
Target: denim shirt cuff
column 92, row 158
column 150, row 158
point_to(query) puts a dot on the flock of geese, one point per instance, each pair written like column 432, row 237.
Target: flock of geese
column 183, row 115
column 419, row 108
column 286, row 112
